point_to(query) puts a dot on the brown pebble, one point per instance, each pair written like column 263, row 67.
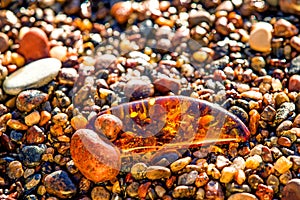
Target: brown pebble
column 264, row 192
column 214, row 190
column 165, row 85
column 30, row 99
column 45, row 118
column 109, row 125
column 242, row 196
column 291, row 190
column 16, row 125
column 79, row 122
column 294, row 83
column 97, row 160
column 260, row 37
column 295, row 43
column 121, row 11
column 291, row 7
column 32, row 119
column 100, row 193
column 4, row 45
column 284, row 28
column 252, row 95
column 34, row 45
column 35, row 135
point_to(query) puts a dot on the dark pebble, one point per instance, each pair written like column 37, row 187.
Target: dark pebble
column 30, row 99
column 58, row 183
column 32, row 182
column 31, row 155
column 240, row 113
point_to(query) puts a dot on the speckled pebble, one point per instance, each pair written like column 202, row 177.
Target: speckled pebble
column 183, row 191
column 180, row 164
column 100, row 193
column 31, row 155
column 15, row 170
column 58, row 183
column 157, row 172
column 138, row 170
column 30, row 99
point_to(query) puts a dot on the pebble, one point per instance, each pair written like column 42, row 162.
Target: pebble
column 227, row 174
column 30, row 99
column 184, row 191
column 132, row 189
column 35, row 135
column 32, row 182
column 58, row 183
column 34, row 45
column 280, row 98
column 253, row 162
column 284, row 28
column 294, row 83
column 136, row 89
column 4, row 42
column 15, row 170
column 32, row 118
column 180, row 164
column 58, row 52
column 109, row 125
column 31, row 155
column 260, row 37
column 67, row 76
column 282, row 165
column 187, row 178
column 284, row 111
column 291, row 7
column 240, row 177
column 242, row 196
column 97, row 160
column 138, row 171
column 254, row 180
column 100, row 193
column 295, row 66
column 214, row 190
column 252, row 95
column 202, row 179
column 157, row 172
column 165, row 85
column 291, row 190
column 268, row 114
column 32, row 75
column 79, row 122
column 196, row 17
column 264, row 192
column 240, row 113
column 200, row 194
column 295, row 43
column 160, row 191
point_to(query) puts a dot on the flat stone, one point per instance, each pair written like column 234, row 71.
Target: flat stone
column 33, row 75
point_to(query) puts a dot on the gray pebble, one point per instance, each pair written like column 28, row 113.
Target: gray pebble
column 33, row 75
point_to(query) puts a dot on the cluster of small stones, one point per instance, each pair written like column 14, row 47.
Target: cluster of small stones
column 243, row 55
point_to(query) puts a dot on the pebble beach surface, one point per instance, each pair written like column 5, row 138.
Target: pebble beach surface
column 64, row 62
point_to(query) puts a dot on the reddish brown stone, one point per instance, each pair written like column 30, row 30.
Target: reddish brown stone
column 34, row 45
column 294, row 83
column 97, row 160
column 264, row 192
column 35, row 135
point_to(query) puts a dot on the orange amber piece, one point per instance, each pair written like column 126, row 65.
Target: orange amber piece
column 174, row 122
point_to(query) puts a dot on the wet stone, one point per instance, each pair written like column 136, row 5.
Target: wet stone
column 202, row 179
column 294, row 83
column 214, row 190
column 30, row 99
column 138, row 171
column 100, row 193
column 35, row 135
column 4, row 45
column 260, row 37
column 32, row 182
column 15, row 170
column 252, row 95
column 160, row 191
column 34, row 45
column 165, row 85
column 291, row 190
column 242, row 196
column 157, row 172
column 240, row 113
column 284, row 111
column 227, row 174
column 268, row 114
column 280, row 98
column 184, row 192
column 58, row 183
column 132, row 189
column 31, row 155
column 264, row 192
column 16, row 136
column 254, row 180
column 282, row 165
column 136, row 89
column 33, row 75
column 180, row 164
column 284, row 28
column 187, row 178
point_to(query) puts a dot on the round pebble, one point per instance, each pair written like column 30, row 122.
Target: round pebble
column 260, row 37
column 242, row 196
column 100, row 193
column 33, row 75
column 157, row 172
column 30, row 99
column 15, row 170
column 4, row 45
column 291, row 190
column 294, row 83
column 31, row 155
